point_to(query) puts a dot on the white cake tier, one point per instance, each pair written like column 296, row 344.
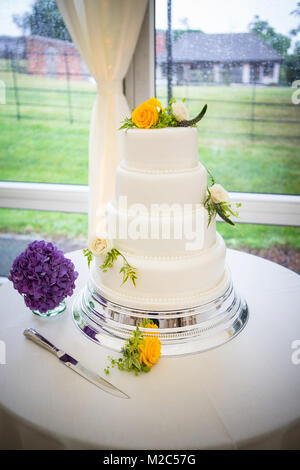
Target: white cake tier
column 182, row 187
column 178, row 232
column 166, row 149
column 165, row 283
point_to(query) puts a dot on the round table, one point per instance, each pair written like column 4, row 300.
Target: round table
column 242, row 395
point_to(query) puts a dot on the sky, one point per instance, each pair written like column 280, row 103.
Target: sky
column 211, row 16
column 227, row 16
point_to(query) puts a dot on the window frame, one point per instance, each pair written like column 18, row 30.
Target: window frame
column 257, row 208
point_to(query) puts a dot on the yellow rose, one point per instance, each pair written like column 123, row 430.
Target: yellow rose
column 155, row 102
column 151, row 325
column 146, row 114
column 150, row 351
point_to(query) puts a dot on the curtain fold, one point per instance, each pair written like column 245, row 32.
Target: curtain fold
column 105, row 33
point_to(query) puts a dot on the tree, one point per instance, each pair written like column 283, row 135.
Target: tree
column 296, row 12
column 278, row 41
column 44, row 20
column 177, row 33
column 292, row 64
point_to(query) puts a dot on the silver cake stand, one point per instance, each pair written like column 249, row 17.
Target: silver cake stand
column 185, row 331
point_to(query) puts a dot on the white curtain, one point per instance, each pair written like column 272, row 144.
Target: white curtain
column 105, row 32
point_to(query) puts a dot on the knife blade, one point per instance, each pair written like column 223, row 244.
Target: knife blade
column 73, row 364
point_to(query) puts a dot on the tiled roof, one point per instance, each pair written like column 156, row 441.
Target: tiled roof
column 233, row 47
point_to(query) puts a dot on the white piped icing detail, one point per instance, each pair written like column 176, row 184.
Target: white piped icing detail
column 189, row 254
column 159, row 171
column 169, row 300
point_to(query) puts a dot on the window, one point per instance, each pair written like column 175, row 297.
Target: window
column 44, row 123
column 249, row 138
column 44, row 131
column 20, row 227
column 268, row 69
column 222, row 54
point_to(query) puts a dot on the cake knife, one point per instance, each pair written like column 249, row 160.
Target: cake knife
column 73, row 364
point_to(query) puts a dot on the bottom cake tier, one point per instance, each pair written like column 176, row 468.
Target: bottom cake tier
column 181, row 331
column 166, row 283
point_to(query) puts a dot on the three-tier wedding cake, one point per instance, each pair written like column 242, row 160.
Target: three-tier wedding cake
column 161, row 258
column 158, row 221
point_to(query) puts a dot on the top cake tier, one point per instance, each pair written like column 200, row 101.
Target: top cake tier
column 169, row 149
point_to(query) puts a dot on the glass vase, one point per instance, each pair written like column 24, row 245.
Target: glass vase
column 53, row 312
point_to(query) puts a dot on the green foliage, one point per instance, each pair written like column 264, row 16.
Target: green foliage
column 177, row 33
column 165, row 120
column 210, row 207
column 128, row 271
column 128, row 124
column 111, row 257
column 129, row 362
column 292, row 64
column 278, row 41
column 224, row 209
column 88, row 254
column 193, row 122
column 44, row 20
column 147, row 321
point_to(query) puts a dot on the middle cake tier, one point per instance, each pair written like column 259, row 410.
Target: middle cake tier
column 165, row 230
column 185, row 186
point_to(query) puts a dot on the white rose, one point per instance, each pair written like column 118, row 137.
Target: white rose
column 219, row 194
column 97, row 245
column 180, row 112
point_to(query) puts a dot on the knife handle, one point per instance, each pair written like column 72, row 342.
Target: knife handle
column 37, row 338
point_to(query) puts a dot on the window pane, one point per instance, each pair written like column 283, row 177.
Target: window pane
column 275, row 243
column 45, row 113
column 20, row 227
column 241, row 59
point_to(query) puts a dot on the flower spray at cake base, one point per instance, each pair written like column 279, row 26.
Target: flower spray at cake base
column 44, row 277
column 141, row 351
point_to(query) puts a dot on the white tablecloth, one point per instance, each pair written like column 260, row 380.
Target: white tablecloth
column 245, row 394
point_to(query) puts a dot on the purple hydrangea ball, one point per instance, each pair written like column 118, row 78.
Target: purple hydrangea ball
column 43, row 275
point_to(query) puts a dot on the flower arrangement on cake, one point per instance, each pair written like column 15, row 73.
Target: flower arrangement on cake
column 218, row 202
column 151, row 115
column 99, row 246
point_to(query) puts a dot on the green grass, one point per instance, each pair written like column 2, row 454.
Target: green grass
column 239, row 165
column 43, row 152
column 57, row 224
column 54, row 224
column 45, row 147
column 259, row 236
